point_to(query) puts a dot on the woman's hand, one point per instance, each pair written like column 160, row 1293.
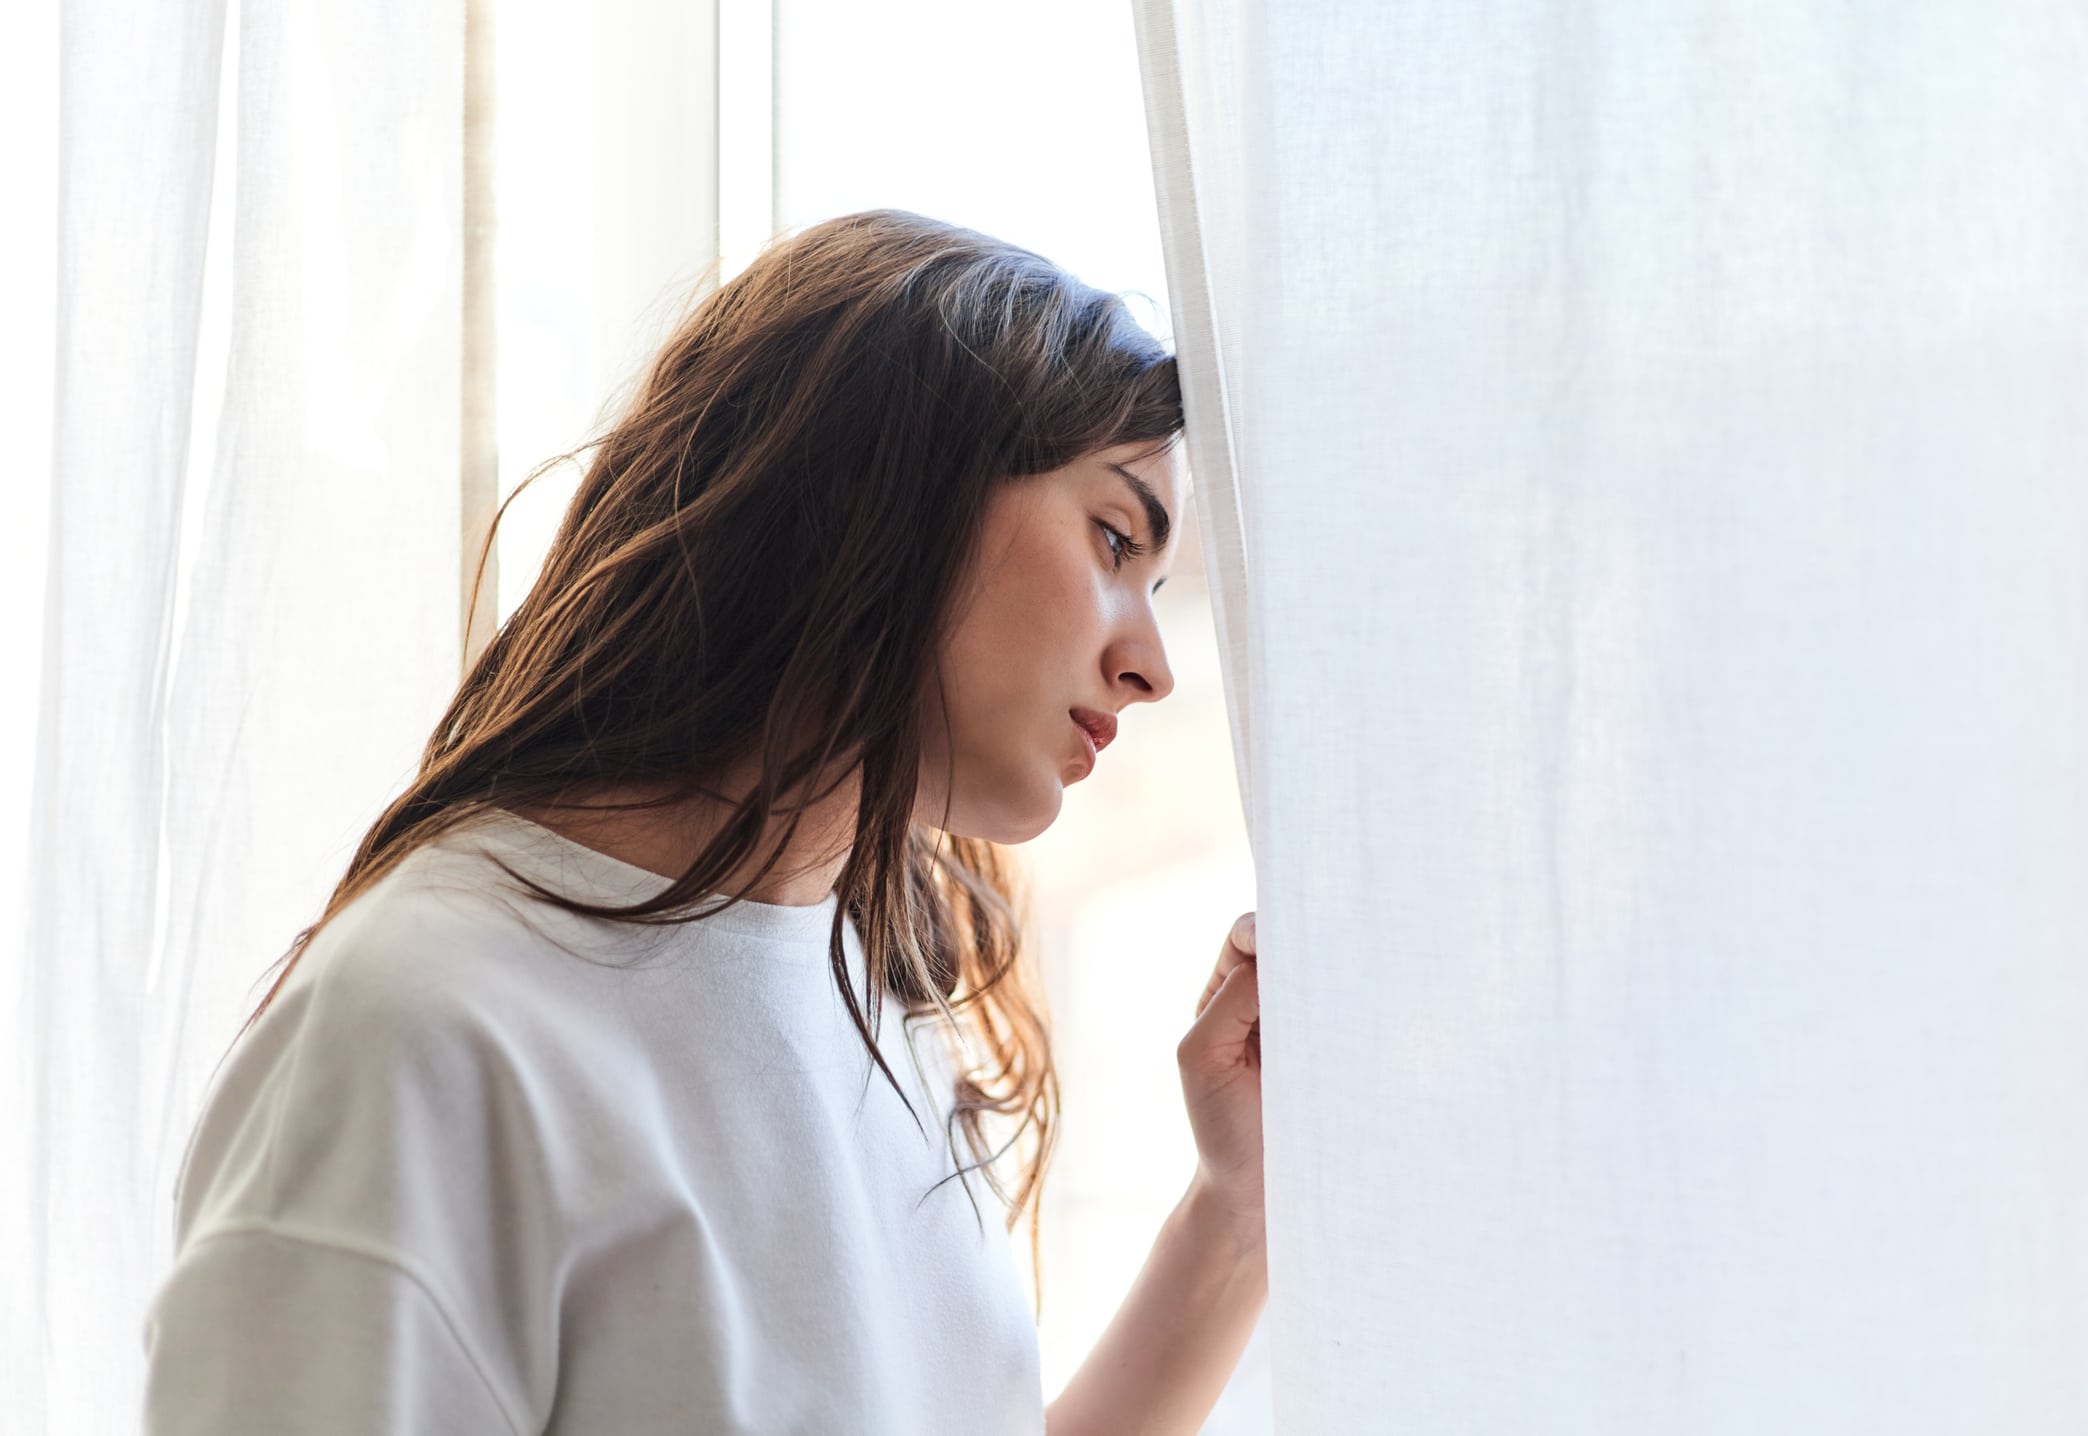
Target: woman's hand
column 1220, row 1059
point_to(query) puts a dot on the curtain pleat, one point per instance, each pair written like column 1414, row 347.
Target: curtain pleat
column 1192, row 117
column 137, row 99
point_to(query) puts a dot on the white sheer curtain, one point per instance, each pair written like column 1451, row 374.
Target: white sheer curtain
column 1664, row 488
column 251, row 612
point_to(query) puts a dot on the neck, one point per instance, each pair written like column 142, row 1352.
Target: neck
column 666, row 840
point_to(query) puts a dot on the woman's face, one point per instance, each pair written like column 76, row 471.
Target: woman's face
column 1059, row 617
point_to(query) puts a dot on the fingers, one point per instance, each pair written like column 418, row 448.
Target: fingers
column 1238, row 948
column 1226, row 1025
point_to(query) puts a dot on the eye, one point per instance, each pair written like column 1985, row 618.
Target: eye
column 1124, row 547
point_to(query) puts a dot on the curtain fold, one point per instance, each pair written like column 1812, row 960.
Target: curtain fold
column 1663, row 526
column 251, row 605
column 1192, row 118
column 137, row 101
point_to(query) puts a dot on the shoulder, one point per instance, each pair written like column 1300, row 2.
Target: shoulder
column 450, row 954
column 424, row 1036
column 427, row 1088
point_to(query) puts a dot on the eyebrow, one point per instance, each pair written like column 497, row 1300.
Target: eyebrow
column 1155, row 511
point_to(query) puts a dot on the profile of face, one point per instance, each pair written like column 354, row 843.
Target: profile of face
column 1059, row 618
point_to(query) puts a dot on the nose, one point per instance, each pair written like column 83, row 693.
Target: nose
column 1144, row 667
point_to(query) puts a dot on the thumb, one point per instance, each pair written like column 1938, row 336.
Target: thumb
column 1227, row 1021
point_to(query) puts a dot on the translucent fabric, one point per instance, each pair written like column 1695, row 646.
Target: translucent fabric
column 1652, row 450
column 251, row 611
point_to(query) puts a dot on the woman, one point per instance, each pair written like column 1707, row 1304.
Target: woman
column 577, row 1110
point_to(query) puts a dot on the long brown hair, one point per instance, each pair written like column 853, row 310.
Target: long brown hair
column 761, row 558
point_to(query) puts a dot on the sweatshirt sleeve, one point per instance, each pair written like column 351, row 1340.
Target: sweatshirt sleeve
column 260, row 1331
column 367, row 1236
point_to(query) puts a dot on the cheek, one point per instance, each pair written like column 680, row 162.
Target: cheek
column 1016, row 658
column 985, row 670
column 1037, row 603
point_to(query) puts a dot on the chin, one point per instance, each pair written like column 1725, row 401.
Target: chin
column 1011, row 822
column 1044, row 810
column 1036, row 826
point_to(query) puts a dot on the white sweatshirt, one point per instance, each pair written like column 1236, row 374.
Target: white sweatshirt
column 458, row 1179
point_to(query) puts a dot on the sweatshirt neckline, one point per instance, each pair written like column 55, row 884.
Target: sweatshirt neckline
column 569, row 866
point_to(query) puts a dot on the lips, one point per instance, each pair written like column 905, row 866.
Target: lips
column 1101, row 727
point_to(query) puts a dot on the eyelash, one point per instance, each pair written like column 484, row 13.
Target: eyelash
column 1128, row 547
